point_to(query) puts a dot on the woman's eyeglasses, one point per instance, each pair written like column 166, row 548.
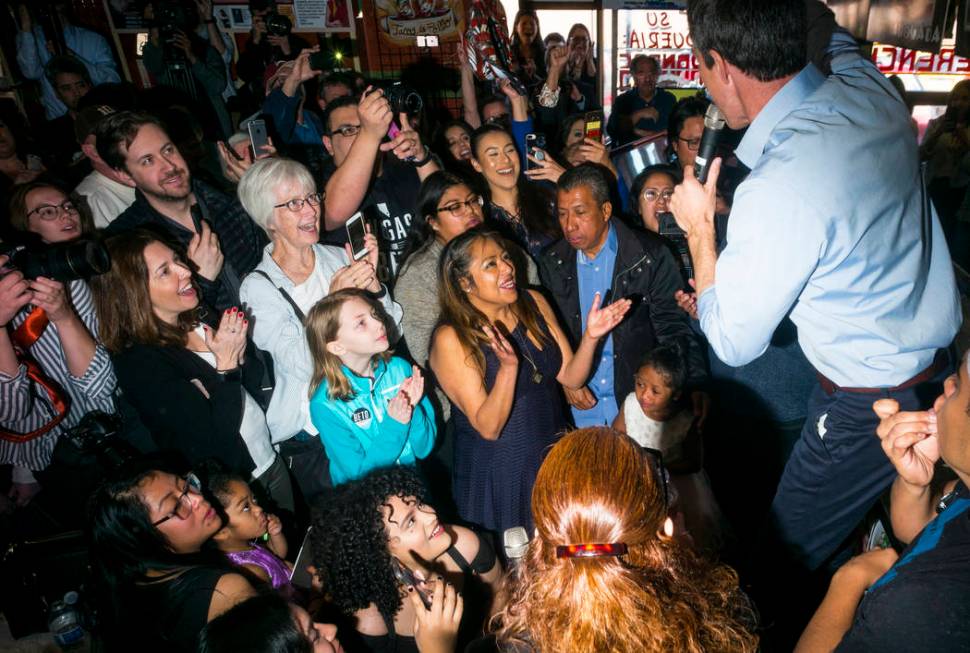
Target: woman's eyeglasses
column 458, row 209
column 50, row 212
column 692, row 143
column 296, row 204
column 652, row 195
column 183, row 507
column 349, row 130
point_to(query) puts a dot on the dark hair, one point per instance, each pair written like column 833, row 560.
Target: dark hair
column 432, row 188
column 263, row 623
column 125, row 546
column 537, row 49
column 339, row 103
column 123, row 301
column 566, row 126
column 490, row 99
column 17, row 207
column 668, row 360
column 535, row 200
column 118, row 128
column 644, row 57
column 350, row 540
column 335, row 79
column 589, row 175
column 439, row 144
column 637, row 187
column 688, row 107
column 765, row 39
column 65, row 64
column 459, row 313
column 219, row 479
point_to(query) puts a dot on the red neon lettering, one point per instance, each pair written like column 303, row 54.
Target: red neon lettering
column 945, row 63
column 925, row 62
column 907, row 60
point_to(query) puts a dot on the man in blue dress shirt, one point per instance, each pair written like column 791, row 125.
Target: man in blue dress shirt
column 832, row 227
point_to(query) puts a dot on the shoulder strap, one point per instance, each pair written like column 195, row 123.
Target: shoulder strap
column 286, row 296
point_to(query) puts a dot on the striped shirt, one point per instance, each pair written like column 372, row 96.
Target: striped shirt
column 24, row 404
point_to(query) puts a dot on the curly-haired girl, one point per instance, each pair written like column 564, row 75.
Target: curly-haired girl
column 380, row 521
column 602, row 574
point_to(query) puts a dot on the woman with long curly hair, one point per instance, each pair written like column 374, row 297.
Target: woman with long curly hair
column 381, row 521
column 601, row 574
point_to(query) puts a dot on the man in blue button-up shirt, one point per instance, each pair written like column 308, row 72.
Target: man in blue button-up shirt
column 833, row 227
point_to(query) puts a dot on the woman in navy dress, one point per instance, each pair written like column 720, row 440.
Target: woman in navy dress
column 500, row 356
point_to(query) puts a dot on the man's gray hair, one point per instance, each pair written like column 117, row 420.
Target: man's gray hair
column 589, row 175
column 257, row 187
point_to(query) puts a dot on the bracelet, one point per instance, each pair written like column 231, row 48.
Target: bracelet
column 548, row 98
column 424, row 161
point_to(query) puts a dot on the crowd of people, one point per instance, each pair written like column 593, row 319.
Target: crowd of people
column 392, row 381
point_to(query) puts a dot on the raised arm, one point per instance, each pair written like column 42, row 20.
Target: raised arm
column 577, row 366
column 348, row 184
column 464, row 384
column 469, row 98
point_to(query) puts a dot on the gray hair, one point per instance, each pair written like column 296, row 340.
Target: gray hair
column 257, row 187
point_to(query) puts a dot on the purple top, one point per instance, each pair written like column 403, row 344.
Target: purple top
column 279, row 573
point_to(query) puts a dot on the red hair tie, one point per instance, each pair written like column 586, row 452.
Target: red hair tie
column 591, row 550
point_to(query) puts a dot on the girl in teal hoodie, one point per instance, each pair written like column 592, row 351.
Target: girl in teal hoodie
column 367, row 404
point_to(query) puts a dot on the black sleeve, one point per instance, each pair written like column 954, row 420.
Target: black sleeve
column 669, row 320
column 485, row 558
column 176, row 411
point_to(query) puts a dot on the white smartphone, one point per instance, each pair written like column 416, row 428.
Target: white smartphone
column 356, row 232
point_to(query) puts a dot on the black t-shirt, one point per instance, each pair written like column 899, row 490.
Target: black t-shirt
column 388, row 208
column 923, row 602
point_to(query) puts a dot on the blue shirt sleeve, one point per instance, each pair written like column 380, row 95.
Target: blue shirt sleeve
column 755, row 285
column 282, row 109
column 519, row 130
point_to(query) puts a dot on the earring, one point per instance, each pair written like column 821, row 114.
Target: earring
column 669, row 527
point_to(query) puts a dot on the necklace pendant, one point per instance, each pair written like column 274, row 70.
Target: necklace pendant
column 537, row 377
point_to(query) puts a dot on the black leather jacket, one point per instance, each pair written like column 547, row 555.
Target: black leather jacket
column 646, row 273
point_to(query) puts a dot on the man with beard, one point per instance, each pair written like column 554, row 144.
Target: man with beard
column 644, row 109
column 219, row 237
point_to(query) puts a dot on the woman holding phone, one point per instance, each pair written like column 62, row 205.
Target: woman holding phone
column 296, row 272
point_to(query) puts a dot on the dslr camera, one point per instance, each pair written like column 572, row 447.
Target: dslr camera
column 403, row 99
column 65, row 262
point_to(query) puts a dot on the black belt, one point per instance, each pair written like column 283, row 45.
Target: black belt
column 940, row 362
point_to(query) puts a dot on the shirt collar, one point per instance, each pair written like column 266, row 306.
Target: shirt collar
column 610, row 246
column 786, row 100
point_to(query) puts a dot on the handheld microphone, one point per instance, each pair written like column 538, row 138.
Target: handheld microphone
column 713, row 128
column 516, row 542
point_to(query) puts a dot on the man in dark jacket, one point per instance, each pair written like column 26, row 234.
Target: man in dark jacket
column 600, row 255
column 217, row 234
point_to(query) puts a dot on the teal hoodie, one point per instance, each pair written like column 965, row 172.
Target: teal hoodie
column 359, row 435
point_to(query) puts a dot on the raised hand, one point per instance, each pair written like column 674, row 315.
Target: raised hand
column 400, row 408
column 558, row 57
column 413, row 386
column 204, row 251
column 594, row 151
column 406, row 145
column 436, row 628
column 546, row 168
column 374, row 112
column 359, row 274
column 228, row 342
column 51, row 296
column 205, row 9
column 687, row 300
column 909, row 439
column 507, row 357
column 14, row 292
column 601, row 321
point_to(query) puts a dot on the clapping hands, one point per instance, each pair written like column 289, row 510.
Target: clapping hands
column 601, row 321
column 401, row 407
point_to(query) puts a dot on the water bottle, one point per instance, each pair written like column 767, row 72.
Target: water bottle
column 65, row 624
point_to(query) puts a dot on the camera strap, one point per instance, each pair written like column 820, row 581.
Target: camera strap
column 23, row 337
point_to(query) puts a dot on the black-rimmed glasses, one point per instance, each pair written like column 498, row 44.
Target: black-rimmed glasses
column 459, row 208
column 296, row 204
column 183, row 507
column 692, row 143
column 50, row 212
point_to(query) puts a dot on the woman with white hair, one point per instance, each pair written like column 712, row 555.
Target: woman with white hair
column 294, row 274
